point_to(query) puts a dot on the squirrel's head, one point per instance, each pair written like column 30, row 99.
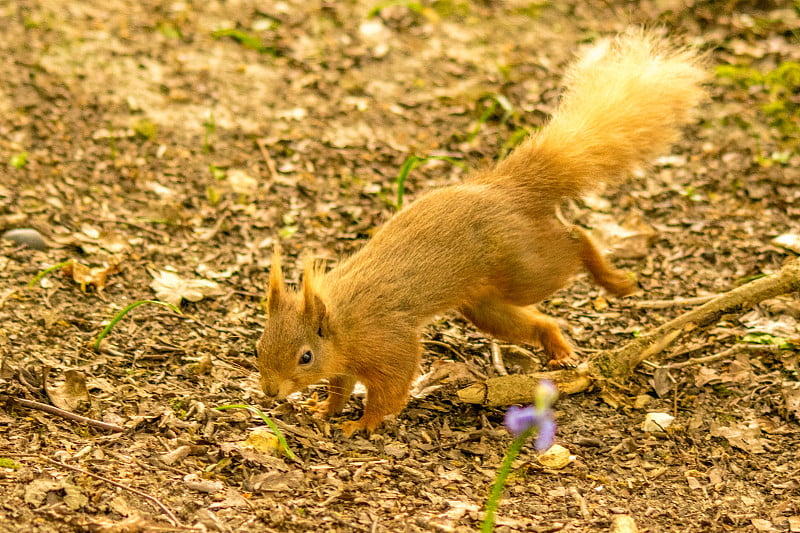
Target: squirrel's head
column 292, row 349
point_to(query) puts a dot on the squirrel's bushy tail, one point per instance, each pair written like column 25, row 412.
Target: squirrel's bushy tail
column 624, row 103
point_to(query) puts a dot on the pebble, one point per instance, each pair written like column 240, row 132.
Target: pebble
column 657, row 422
column 27, row 236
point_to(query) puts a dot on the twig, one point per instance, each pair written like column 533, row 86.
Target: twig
column 66, row 414
column 619, row 363
column 572, row 490
column 152, row 499
column 109, row 350
column 132, row 224
column 446, row 346
column 722, row 355
column 666, row 304
column 610, row 366
column 212, row 232
column 273, row 171
column 497, row 360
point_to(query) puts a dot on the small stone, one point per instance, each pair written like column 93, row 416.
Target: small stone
column 657, row 422
column 27, row 236
column 556, row 457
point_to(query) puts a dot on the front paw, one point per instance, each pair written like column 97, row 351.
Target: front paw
column 318, row 408
column 366, row 424
column 352, row 427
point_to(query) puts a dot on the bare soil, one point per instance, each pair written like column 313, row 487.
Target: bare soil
column 155, row 144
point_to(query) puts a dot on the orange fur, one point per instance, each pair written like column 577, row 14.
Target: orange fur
column 491, row 247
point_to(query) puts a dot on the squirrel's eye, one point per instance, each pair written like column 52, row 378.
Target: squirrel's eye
column 306, row 357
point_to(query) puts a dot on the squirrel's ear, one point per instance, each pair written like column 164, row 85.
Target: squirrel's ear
column 276, row 287
column 313, row 306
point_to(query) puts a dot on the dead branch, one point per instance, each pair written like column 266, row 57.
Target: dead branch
column 152, row 499
column 497, row 360
column 666, row 304
column 618, row 364
column 730, row 352
column 68, row 415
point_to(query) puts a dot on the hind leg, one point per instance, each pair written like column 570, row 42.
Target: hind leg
column 614, row 281
column 521, row 325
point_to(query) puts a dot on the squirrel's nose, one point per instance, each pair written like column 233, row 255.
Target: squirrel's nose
column 269, row 387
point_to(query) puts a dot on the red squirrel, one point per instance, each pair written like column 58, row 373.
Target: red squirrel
column 490, row 248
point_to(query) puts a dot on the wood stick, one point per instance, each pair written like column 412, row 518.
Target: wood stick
column 619, row 363
column 616, row 365
column 666, row 304
column 152, row 499
column 68, row 415
column 497, row 360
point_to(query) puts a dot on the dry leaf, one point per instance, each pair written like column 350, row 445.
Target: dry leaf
column 631, row 239
column 706, row 375
column 458, row 509
column 790, row 241
column 36, row 491
column 195, row 482
column 98, row 276
column 72, row 394
column 623, row 523
column 172, row 288
column 276, row 481
column 264, row 441
column 135, row 523
column 178, row 454
column 791, row 397
column 745, row 436
column 241, row 182
column 656, row 422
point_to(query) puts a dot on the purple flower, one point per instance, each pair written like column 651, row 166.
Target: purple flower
column 518, row 420
column 545, row 395
column 547, row 433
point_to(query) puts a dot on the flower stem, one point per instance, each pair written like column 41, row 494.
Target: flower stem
column 493, row 501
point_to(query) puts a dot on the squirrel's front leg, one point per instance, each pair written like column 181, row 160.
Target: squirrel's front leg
column 381, row 402
column 339, row 389
column 387, row 391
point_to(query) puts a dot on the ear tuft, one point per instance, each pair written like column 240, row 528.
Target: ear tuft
column 276, row 286
column 313, row 306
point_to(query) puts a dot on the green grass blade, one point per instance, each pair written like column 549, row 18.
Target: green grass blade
column 46, row 271
column 412, row 162
column 497, row 100
column 124, row 312
column 409, row 164
column 496, row 492
column 517, row 137
column 416, row 7
column 268, row 421
column 482, row 120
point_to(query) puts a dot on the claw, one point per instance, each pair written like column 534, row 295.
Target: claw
column 562, row 360
column 352, row 427
column 563, row 364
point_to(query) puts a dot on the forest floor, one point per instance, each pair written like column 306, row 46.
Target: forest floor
column 165, row 140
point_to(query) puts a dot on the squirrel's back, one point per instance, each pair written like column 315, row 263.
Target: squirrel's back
column 624, row 103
